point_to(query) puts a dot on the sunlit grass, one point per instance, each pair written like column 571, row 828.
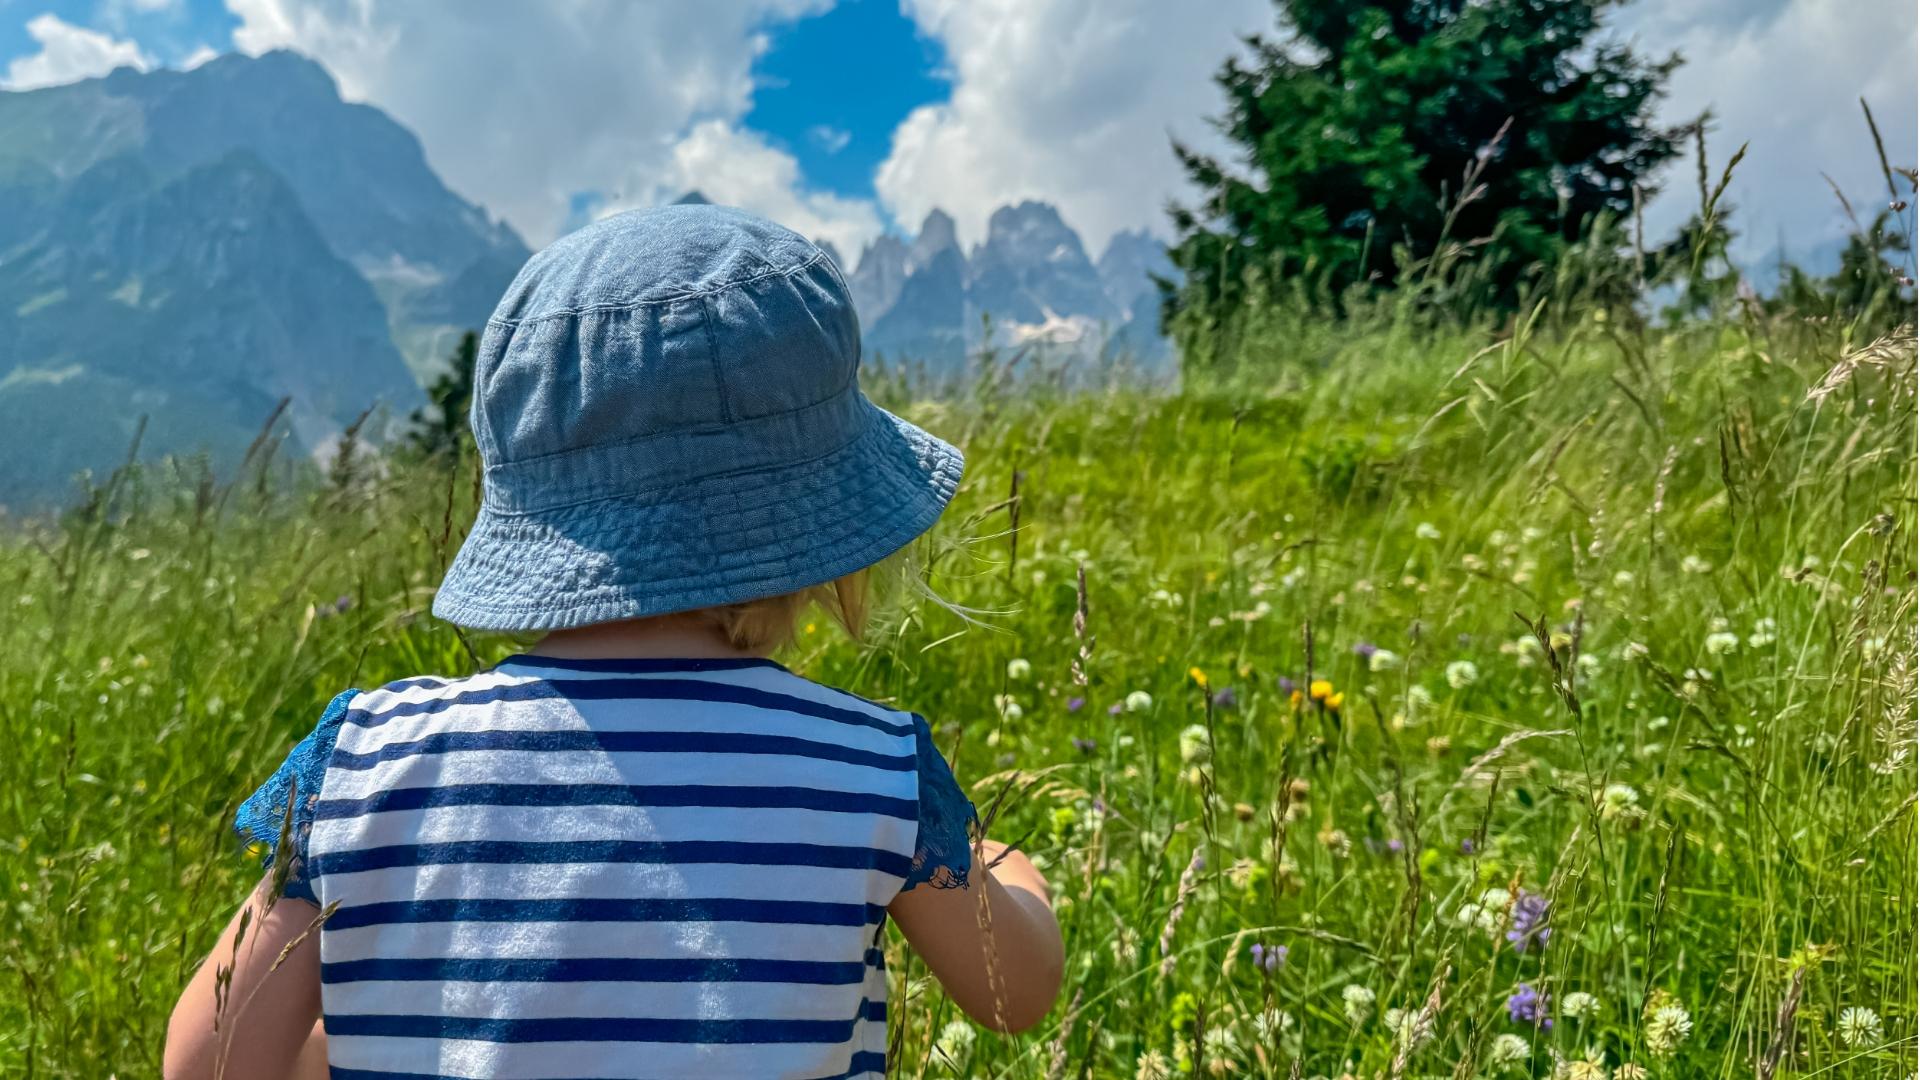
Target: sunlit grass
column 1624, row 625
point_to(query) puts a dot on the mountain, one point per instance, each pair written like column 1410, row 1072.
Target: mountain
column 1030, row 280
column 194, row 245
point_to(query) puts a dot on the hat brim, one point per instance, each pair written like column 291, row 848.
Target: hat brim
column 728, row 538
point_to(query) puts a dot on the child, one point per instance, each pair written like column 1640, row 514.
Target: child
column 641, row 848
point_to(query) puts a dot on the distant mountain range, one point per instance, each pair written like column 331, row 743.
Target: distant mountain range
column 193, row 246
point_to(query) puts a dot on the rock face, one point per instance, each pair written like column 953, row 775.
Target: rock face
column 193, row 246
column 1029, row 283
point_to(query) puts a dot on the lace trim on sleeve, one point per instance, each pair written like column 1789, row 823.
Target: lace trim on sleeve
column 262, row 820
column 943, row 853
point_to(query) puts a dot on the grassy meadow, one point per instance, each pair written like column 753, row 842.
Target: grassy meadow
column 1457, row 705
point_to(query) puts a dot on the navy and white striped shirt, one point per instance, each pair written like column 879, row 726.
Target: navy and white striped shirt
column 610, row 868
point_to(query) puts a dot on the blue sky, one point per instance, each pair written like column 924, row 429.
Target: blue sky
column 848, row 118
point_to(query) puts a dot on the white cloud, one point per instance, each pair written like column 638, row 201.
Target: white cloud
column 524, row 107
column 1785, row 77
column 69, row 53
column 830, row 138
column 200, row 55
column 738, row 167
column 1071, row 101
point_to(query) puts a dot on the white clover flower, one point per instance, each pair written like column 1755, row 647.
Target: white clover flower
column 1532, row 533
column 1508, row 1049
column 1018, row 669
column 1408, row 1027
column 1618, row 798
column 1426, row 531
column 1635, row 650
column 1765, row 631
column 1358, row 1002
column 1153, row 1065
column 1194, row 744
column 1139, row 701
column 1219, row 1045
column 1721, row 642
column 1859, row 1027
column 1694, row 564
column 1623, row 579
column 1383, row 660
column 1667, row 1028
column 1007, row 707
column 1270, row 1024
column 1588, row 664
column 1718, row 623
column 1629, row 1071
column 1579, row 1005
column 1462, row 674
column 954, row 1046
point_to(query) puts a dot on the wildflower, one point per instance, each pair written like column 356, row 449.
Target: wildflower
column 955, row 1045
column 1365, row 649
column 341, row 603
column 1635, row 650
column 1579, row 1005
column 1139, row 701
column 1319, row 689
column 1508, row 1049
column 1623, row 579
column 1528, row 1006
column 1764, row 633
column 1270, row 1024
column 1418, row 697
column 1116, row 709
column 1358, row 1002
column 1198, row 676
column 1085, row 746
column 1592, row 1067
column 1529, row 920
column 1629, row 1071
column 1007, row 707
column 1286, row 686
column 1668, row 1027
column 1383, row 660
column 1859, row 1027
column 1588, row 664
column 1194, row 744
column 1075, row 704
column 1268, row 958
column 1225, row 698
column 1462, row 674
column 1220, row 1048
column 1334, row 701
column 1694, row 564
column 1153, row 1065
column 1018, row 669
column 1618, row 800
column 1426, row 531
column 1337, row 841
column 1722, row 642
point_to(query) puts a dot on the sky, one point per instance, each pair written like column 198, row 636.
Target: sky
column 847, row 118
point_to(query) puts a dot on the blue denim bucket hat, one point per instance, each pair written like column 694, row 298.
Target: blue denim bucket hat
column 669, row 416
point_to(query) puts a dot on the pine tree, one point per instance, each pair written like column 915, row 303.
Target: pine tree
column 1382, row 133
column 440, row 429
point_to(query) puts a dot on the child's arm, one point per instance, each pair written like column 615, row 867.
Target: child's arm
column 994, row 945
column 269, row 1011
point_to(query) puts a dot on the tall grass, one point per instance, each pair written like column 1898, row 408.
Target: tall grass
column 1641, row 604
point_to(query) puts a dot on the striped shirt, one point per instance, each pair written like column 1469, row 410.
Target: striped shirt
column 610, row 868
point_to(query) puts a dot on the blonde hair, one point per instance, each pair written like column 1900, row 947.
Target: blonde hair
column 766, row 624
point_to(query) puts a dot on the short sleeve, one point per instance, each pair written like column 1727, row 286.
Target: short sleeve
column 943, row 853
column 262, row 819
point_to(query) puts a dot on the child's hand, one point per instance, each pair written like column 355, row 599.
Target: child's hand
column 994, row 945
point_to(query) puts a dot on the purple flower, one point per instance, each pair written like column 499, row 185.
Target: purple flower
column 1394, row 845
column 1529, row 920
column 1529, row 1006
column 1225, row 698
column 1466, row 845
column 1286, row 685
column 1085, row 746
column 1075, row 704
column 1116, row 708
column 1365, row 649
column 1268, row 959
column 341, row 604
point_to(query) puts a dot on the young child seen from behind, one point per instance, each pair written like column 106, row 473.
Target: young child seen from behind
column 641, row 848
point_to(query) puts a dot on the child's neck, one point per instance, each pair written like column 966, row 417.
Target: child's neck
column 679, row 637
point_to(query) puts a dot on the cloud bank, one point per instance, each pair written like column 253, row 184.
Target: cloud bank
column 69, row 53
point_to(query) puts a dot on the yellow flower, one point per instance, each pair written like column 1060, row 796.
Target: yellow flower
column 1334, row 701
column 1198, row 676
column 809, row 628
column 1319, row 689
column 1294, row 699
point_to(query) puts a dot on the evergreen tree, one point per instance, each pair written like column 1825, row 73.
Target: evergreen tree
column 1387, row 135
column 440, row 429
